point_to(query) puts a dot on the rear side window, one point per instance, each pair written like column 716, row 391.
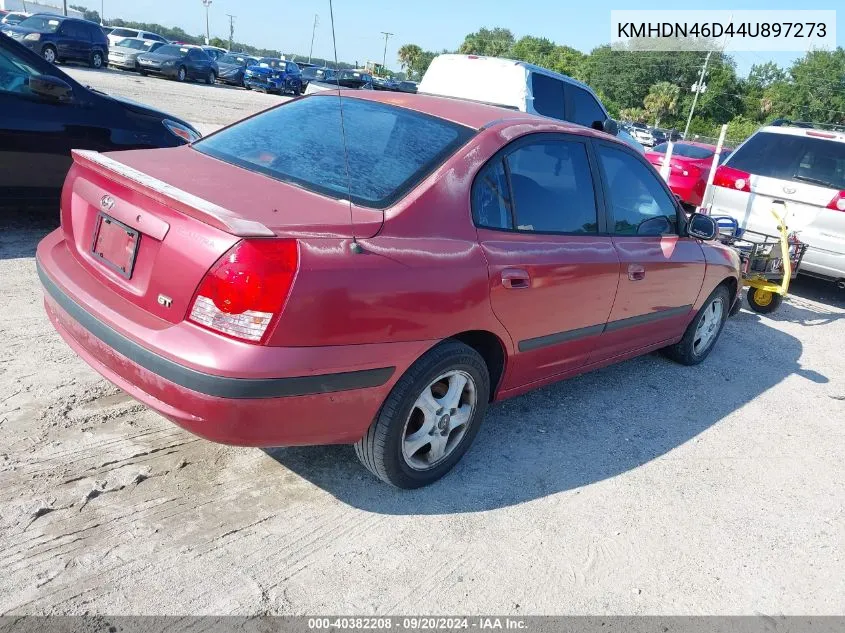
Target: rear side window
column 390, row 149
column 547, row 188
column 587, row 110
column 786, row 157
column 124, row 33
column 548, row 95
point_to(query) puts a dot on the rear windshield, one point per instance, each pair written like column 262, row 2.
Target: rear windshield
column 688, row 151
column 390, row 149
column 233, row 59
column 170, row 49
column 800, row 158
column 132, row 43
column 124, row 33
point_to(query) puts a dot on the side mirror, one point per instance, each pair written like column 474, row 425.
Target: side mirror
column 51, row 88
column 610, row 126
column 702, row 227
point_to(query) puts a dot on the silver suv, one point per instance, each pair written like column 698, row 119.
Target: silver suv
column 803, row 166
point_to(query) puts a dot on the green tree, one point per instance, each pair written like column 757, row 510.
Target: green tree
column 661, row 100
column 565, row 60
column 408, row 55
column 636, row 115
column 421, row 63
column 535, row 50
column 495, row 42
column 87, row 13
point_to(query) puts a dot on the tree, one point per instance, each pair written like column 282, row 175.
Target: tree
column 764, row 75
column 408, row 55
column 87, row 13
column 661, row 100
column 635, row 115
column 495, row 42
column 421, row 63
column 535, row 50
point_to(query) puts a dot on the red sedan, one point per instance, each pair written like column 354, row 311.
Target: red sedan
column 689, row 169
column 376, row 284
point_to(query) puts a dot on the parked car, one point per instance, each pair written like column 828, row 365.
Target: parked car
column 519, row 86
column 356, row 79
column 232, row 67
column 315, row 73
column 407, row 86
column 491, row 224
column 271, row 74
column 690, row 166
column 118, row 33
column 642, row 134
column 59, row 39
column 125, row 54
column 385, row 83
column 14, row 17
column 180, row 63
column 803, row 166
column 214, row 52
column 45, row 114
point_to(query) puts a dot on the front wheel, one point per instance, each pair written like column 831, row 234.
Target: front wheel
column 49, row 54
column 429, row 419
column 211, row 78
column 763, row 301
column 181, row 74
column 704, row 330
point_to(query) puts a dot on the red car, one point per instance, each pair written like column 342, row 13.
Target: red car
column 257, row 289
column 691, row 164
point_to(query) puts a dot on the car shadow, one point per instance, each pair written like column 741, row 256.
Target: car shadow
column 577, row 432
column 820, row 291
column 22, row 228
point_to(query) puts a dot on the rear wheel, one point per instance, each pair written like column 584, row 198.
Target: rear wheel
column 211, row 78
column 49, row 54
column 96, row 60
column 763, row 301
column 704, row 331
column 429, row 419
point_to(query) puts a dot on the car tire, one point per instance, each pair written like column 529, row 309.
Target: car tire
column 96, row 60
column 414, row 439
column 181, row 74
column 704, row 330
column 763, row 301
column 143, row 73
column 49, row 55
column 211, row 78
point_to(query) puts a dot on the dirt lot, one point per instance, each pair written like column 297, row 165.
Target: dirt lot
column 642, row 488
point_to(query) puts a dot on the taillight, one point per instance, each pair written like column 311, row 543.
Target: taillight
column 731, row 178
column 838, row 202
column 247, row 288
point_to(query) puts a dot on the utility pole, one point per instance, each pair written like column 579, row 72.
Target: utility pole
column 64, row 4
column 206, row 4
column 102, row 12
column 313, row 32
column 231, row 29
column 698, row 90
column 384, row 57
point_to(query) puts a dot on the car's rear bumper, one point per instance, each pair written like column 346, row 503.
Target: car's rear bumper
column 123, row 62
column 308, row 399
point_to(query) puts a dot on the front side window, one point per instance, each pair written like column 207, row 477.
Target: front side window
column 41, row 24
column 639, row 203
column 548, row 95
column 587, row 110
column 390, row 149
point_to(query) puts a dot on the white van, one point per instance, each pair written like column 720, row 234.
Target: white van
column 519, row 86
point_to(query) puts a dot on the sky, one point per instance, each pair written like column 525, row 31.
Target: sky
column 434, row 24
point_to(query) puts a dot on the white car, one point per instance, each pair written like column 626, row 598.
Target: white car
column 120, row 33
column 805, row 168
column 14, row 17
column 519, row 86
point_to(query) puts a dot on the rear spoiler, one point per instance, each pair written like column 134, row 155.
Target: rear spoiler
column 168, row 195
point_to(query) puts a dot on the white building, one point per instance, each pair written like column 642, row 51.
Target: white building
column 36, row 7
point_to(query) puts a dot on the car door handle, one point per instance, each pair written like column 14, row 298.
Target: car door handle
column 515, row 278
column 636, row 272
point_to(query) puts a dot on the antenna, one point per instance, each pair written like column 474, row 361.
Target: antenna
column 355, row 247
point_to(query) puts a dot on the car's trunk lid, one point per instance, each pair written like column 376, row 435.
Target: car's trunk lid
column 166, row 216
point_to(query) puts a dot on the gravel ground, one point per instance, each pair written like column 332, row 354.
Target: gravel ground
column 641, row 488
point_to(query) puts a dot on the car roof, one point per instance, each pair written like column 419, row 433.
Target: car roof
column 461, row 111
column 829, row 135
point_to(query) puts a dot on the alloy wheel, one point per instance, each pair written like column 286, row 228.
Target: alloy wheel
column 708, row 326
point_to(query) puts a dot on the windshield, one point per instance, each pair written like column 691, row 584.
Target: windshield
column 269, row 62
column 41, row 23
column 688, row 151
column 136, row 44
column 390, row 149
column 177, row 51
column 788, row 157
column 233, row 59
